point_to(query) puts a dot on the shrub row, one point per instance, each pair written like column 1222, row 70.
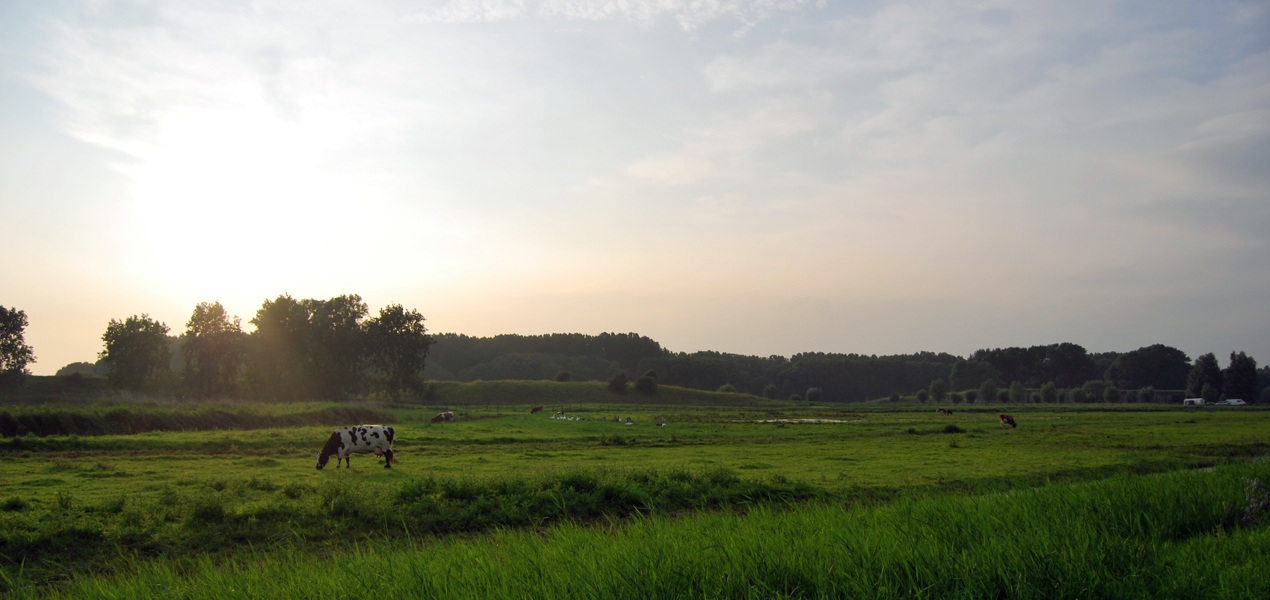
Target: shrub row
column 122, row 421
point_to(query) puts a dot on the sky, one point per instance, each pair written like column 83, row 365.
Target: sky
column 751, row 176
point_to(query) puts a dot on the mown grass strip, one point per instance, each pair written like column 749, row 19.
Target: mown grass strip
column 1177, row 535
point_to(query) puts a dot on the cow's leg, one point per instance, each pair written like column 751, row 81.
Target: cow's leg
column 387, row 459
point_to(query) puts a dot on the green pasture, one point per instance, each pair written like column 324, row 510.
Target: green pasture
column 231, row 495
column 849, row 450
column 1182, row 535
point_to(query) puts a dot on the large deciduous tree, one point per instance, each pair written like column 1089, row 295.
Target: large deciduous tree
column 136, row 352
column 277, row 364
column 15, row 353
column 1239, row 379
column 1018, row 393
column 213, row 350
column 313, row 348
column 1205, row 371
column 398, row 342
column 988, row 391
column 1157, row 365
column 939, row 390
column 337, row 344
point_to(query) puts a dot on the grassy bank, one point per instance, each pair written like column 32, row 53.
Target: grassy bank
column 218, row 517
column 1179, row 535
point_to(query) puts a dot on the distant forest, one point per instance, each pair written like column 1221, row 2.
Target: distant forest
column 335, row 348
column 839, row 377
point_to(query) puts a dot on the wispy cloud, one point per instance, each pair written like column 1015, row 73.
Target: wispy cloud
column 975, row 163
column 689, row 14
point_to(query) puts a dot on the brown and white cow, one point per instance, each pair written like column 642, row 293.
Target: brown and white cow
column 361, row 439
column 943, row 411
column 444, row 417
column 1007, row 420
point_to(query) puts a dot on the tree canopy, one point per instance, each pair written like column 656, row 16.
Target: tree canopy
column 15, row 353
column 212, row 347
column 398, row 343
column 1205, row 372
column 1240, row 378
column 136, row 352
column 1157, row 365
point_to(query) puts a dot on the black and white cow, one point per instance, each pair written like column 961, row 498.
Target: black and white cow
column 360, row 439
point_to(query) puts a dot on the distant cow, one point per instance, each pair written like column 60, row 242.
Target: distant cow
column 536, row 409
column 1007, row 420
column 361, row 439
column 444, row 417
column 943, row 411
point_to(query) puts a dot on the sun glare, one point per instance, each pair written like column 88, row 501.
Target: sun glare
column 231, row 200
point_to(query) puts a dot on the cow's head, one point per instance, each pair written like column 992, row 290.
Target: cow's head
column 332, row 446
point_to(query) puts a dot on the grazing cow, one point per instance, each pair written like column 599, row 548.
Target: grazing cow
column 1007, row 420
column 361, row 439
column 444, row 417
column 943, row 411
column 536, row 409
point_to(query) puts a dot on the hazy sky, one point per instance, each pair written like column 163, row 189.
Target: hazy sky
column 753, row 176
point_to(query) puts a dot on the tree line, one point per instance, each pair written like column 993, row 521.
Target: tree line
column 306, row 348
column 1065, row 371
column 313, row 348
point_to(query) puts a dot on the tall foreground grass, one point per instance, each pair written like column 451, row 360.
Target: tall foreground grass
column 1180, row 535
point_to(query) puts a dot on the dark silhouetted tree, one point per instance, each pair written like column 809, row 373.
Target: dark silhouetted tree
column 1018, row 393
column 278, row 365
column 1078, row 396
column 398, row 345
column 618, row 382
column 647, row 383
column 727, row 388
column 1111, row 395
column 1157, row 365
column 795, row 398
column 564, row 376
column 336, row 344
column 815, row 394
column 1049, row 393
column 1205, row 371
column 1067, row 365
column 939, row 390
column 923, row 396
column 15, row 353
column 969, row 374
column 770, row 392
column 1146, row 394
column 1094, row 389
column 1239, row 379
column 136, row 352
column 85, row 369
column 1210, row 393
column 955, row 398
column 988, row 391
column 212, row 347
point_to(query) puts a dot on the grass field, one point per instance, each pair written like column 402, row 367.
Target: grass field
column 177, row 508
